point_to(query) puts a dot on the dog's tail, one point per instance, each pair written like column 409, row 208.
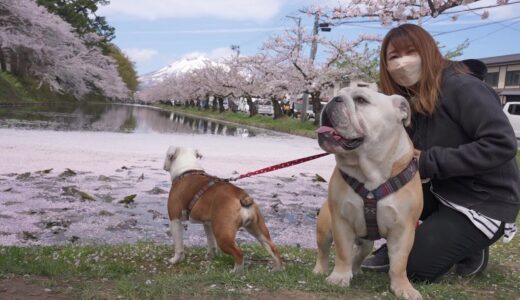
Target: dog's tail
column 246, row 200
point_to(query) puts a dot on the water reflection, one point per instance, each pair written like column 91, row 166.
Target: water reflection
column 114, row 117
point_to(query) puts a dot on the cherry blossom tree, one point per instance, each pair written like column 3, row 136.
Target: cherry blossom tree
column 400, row 11
column 214, row 78
column 242, row 80
column 278, row 71
column 254, row 77
column 37, row 44
column 343, row 58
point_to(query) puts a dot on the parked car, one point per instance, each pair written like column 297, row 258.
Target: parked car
column 298, row 107
column 512, row 111
column 265, row 107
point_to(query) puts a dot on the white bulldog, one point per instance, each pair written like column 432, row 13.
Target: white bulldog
column 219, row 205
column 364, row 129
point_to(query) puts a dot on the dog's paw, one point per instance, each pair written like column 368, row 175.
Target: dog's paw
column 278, row 268
column 407, row 293
column 341, row 279
column 176, row 259
column 211, row 254
column 319, row 270
column 238, row 269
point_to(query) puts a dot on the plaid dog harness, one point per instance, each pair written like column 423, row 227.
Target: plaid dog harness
column 370, row 198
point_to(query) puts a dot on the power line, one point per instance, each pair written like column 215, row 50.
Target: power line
column 490, row 33
column 476, row 26
column 505, row 26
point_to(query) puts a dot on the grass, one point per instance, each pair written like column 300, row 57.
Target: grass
column 11, row 88
column 141, row 271
column 29, row 91
column 284, row 124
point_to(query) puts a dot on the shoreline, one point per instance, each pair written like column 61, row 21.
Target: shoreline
column 183, row 111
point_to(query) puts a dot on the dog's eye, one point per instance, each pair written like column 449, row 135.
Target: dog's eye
column 360, row 100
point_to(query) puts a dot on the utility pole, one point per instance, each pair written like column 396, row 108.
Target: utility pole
column 298, row 21
column 314, row 50
column 315, row 30
column 419, row 21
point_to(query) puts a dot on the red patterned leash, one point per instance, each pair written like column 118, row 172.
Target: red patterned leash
column 278, row 166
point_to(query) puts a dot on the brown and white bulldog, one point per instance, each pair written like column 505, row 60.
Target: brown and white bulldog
column 364, row 129
column 222, row 209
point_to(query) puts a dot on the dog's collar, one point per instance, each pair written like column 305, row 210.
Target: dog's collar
column 370, row 197
column 187, row 173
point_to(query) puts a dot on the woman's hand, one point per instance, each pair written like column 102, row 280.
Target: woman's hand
column 416, row 153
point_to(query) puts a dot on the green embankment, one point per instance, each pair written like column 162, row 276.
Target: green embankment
column 15, row 90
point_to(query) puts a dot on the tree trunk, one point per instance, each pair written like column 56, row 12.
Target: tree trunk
column 221, row 105
column 9, row 54
column 277, row 109
column 214, row 105
column 316, row 107
column 253, row 110
column 232, row 106
column 3, row 65
column 14, row 63
column 20, row 63
column 206, row 103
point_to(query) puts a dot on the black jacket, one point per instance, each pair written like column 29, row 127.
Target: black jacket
column 469, row 147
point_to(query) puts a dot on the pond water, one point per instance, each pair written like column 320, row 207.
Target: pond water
column 115, row 118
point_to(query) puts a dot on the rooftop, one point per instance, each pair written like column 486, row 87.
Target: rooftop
column 503, row 59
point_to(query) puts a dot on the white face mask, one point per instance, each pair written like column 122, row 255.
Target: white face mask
column 405, row 70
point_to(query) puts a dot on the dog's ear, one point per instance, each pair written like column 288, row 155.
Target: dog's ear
column 172, row 154
column 403, row 107
column 197, row 154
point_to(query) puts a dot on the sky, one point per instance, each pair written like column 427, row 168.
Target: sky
column 155, row 33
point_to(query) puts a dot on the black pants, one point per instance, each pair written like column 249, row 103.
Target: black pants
column 445, row 237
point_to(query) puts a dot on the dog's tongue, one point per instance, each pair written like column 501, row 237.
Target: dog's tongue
column 329, row 130
column 324, row 129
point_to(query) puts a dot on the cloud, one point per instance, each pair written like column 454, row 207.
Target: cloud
column 258, row 10
column 140, row 55
column 215, row 54
column 219, row 53
column 209, row 30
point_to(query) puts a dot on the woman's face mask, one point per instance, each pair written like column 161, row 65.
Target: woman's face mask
column 405, row 70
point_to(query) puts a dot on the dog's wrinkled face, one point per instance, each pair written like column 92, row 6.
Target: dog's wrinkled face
column 180, row 158
column 357, row 117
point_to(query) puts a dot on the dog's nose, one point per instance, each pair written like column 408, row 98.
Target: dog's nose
column 337, row 99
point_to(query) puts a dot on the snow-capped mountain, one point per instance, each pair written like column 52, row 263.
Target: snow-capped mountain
column 182, row 65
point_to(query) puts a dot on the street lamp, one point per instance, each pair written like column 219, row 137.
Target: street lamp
column 236, row 48
column 325, row 27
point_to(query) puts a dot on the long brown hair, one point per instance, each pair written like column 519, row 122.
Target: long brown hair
column 427, row 90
